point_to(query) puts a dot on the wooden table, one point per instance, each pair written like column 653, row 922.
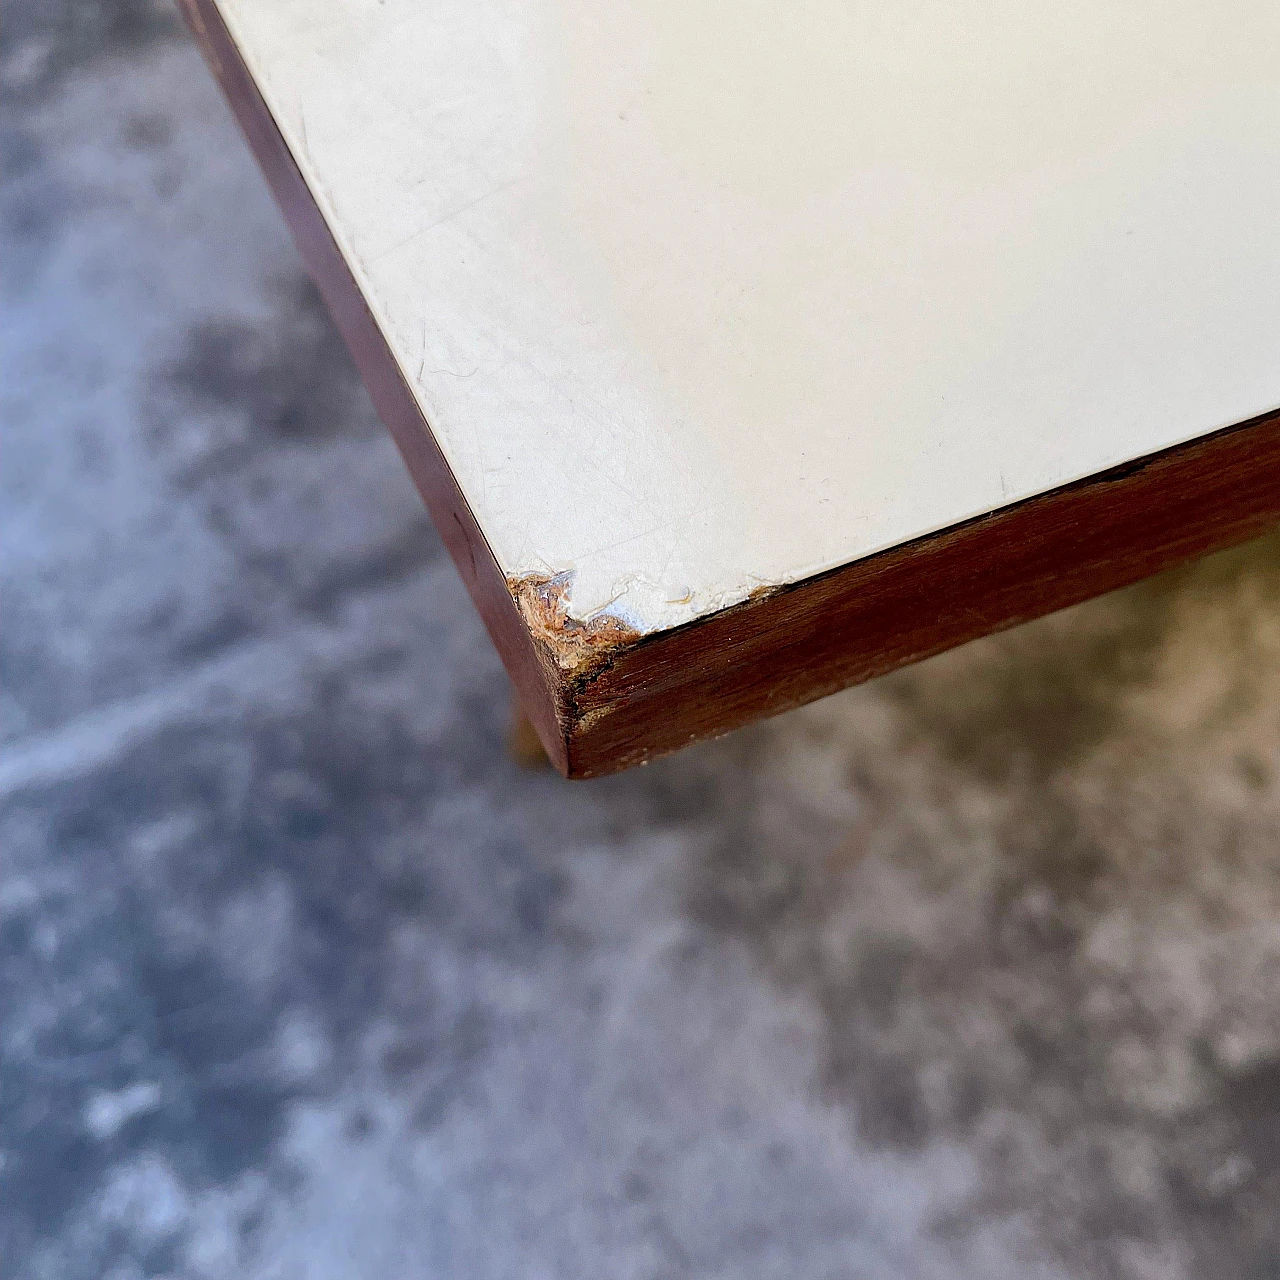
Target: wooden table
column 745, row 351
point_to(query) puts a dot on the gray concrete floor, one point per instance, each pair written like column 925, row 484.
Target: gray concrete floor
column 972, row 972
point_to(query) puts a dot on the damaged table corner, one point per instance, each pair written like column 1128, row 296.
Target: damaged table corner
column 726, row 385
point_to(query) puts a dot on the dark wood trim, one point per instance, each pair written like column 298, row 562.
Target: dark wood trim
column 391, row 395
column 870, row 617
column 618, row 704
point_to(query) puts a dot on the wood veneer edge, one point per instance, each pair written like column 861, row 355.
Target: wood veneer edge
column 537, row 682
column 865, row 619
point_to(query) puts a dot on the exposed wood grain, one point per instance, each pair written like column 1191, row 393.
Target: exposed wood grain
column 604, row 702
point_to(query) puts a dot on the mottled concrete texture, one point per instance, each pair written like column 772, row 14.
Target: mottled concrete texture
column 973, row 972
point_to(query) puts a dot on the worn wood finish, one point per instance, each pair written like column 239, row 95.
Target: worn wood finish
column 804, row 642
column 607, row 701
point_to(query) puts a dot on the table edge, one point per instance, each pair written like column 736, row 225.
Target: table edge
column 603, row 699
column 801, row 642
column 526, row 661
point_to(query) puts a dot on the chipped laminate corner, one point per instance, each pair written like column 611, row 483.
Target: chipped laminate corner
column 603, row 697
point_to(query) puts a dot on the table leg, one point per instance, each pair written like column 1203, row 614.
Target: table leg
column 522, row 739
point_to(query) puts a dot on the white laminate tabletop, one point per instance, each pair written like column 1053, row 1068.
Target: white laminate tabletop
column 704, row 296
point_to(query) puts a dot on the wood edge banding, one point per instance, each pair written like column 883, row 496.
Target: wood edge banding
column 536, row 683
column 798, row 643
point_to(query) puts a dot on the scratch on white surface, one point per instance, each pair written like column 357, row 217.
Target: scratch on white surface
column 302, row 134
column 622, row 542
column 608, row 479
column 418, row 232
column 482, row 469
